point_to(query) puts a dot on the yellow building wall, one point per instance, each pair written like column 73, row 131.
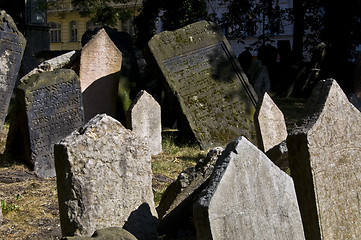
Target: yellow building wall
column 64, row 18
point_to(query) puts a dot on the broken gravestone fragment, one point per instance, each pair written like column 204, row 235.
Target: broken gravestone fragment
column 104, row 179
column 324, row 155
column 214, row 100
column 247, row 197
column 187, row 182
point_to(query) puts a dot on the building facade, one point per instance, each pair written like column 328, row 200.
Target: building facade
column 66, row 26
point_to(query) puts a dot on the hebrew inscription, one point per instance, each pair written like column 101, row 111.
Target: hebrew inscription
column 12, row 46
column 52, row 109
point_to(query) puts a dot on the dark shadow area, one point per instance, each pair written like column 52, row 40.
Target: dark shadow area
column 142, row 224
column 101, row 97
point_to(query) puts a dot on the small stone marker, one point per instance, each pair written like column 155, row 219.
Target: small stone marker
column 12, row 46
column 100, row 65
column 104, row 179
column 248, row 197
column 270, row 124
column 144, row 118
column 324, row 154
column 48, row 108
column 214, row 94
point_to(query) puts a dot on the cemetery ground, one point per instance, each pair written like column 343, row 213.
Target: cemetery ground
column 30, row 205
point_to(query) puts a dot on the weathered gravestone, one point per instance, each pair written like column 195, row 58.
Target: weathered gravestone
column 324, row 155
column 188, row 182
column 144, row 118
column 48, row 108
column 104, row 179
column 12, row 46
column 214, row 94
column 248, row 197
column 111, row 233
column 100, row 65
column 270, row 124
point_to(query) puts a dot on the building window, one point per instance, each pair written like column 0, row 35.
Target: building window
column 73, row 31
column 55, row 32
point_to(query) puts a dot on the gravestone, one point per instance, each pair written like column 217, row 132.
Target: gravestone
column 248, row 197
column 65, row 60
column 200, row 69
column 111, row 233
column 187, row 182
column 324, row 154
column 100, row 64
column 270, row 124
column 48, row 108
column 144, row 118
column 12, row 46
column 104, row 179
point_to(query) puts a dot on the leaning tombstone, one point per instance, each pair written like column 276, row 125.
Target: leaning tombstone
column 324, row 154
column 144, row 118
column 48, row 107
column 12, row 46
column 104, row 179
column 215, row 99
column 248, row 197
column 270, row 124
column 100, row 64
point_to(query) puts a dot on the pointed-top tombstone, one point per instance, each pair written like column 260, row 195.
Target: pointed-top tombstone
column 248, row 197
column 324, row 154
column 216, row 101
column 12, row 46
column 100, row 65
column 270, row 124
column 144, row 118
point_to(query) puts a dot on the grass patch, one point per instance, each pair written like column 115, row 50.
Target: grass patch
column 176, row 156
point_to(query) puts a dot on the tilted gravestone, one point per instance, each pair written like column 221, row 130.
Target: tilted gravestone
column 104, row 179
column 201, row 71
column 12, row 46
column 48, row 108
column 248, row 197
column 100, row 65
column 324, row 154
column 144, row 118
column 270, row 124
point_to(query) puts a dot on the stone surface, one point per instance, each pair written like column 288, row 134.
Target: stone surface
column 187, row 182
column 324, row 154
column 104, row 179
column 63, row 61
column 270, row 124
column 248, row 197
column 111, row 233
column 100, row 65
column 144, row 118
column 214, row 95
column 12, row 46
column 48, row 107
column 279, row 156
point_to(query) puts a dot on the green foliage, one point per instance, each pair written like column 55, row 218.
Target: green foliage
column 102, row 11
column 5, row 207
column 173, row 14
